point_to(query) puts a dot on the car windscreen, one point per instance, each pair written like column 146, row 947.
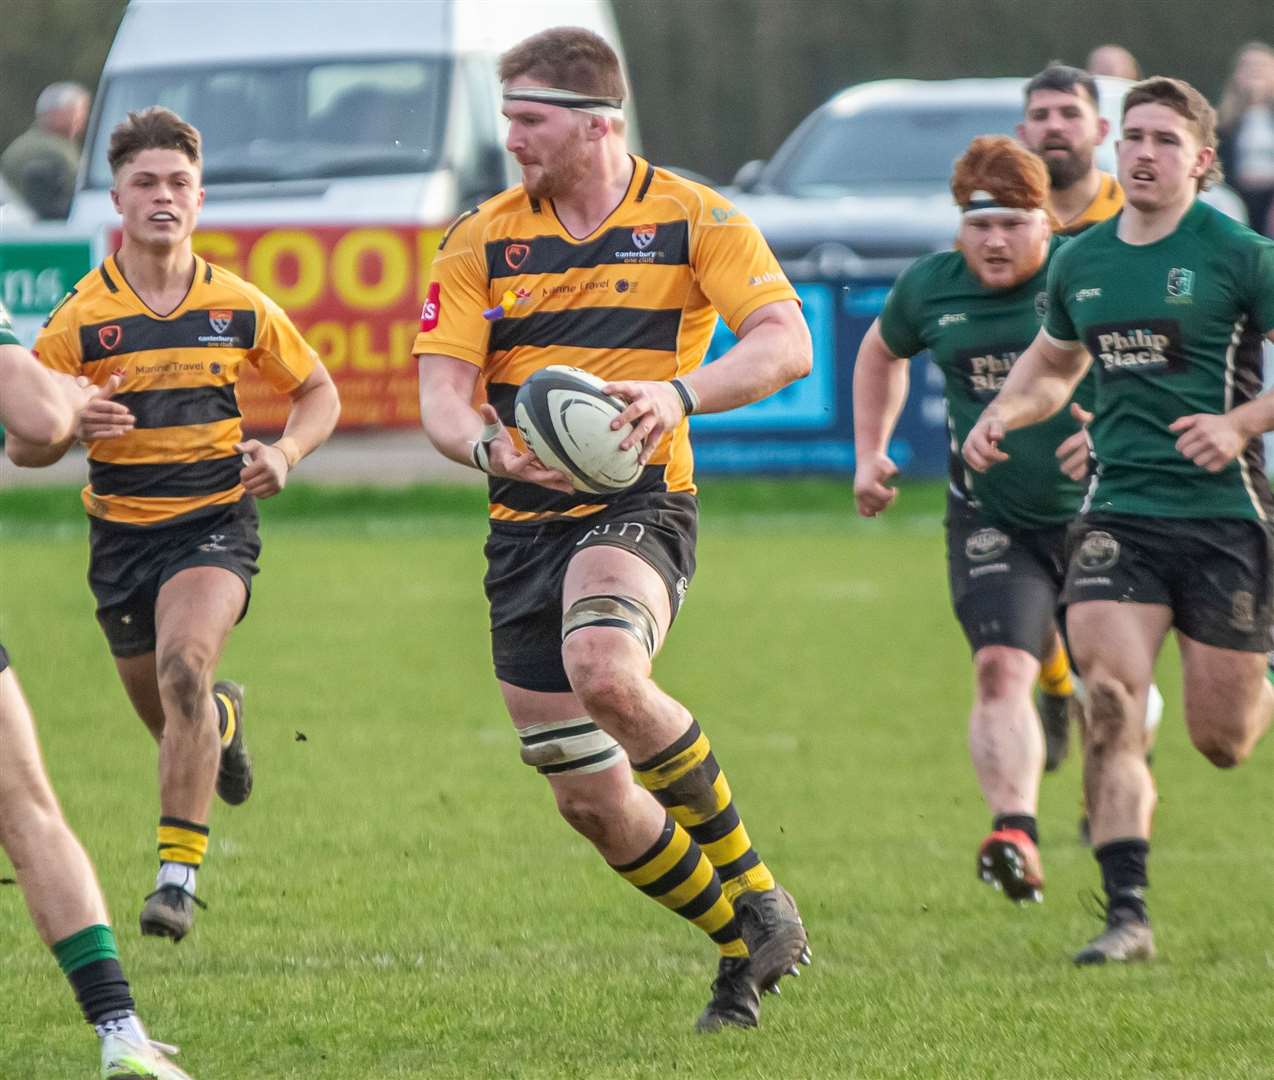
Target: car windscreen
column 883, row 146
column 270, row 122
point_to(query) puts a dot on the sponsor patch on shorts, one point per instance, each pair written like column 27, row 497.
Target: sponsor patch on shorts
column 1099, row 551
column 986, row 544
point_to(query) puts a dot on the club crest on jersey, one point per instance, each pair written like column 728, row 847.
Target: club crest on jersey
column 515, row 254
column 429, row 313
column 110, row 336
column 644, row 236
column 220, row 320
column 1180, row 285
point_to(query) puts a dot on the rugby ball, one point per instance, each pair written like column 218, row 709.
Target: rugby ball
column 564, row 419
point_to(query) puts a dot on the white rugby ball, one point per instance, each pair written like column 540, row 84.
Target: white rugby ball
column 565, row 419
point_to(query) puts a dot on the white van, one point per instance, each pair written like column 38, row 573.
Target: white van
column 342, row 111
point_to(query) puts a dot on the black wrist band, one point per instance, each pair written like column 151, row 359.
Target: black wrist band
column 689, row 401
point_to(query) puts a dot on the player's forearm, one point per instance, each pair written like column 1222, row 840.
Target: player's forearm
column 881, row 382
column 312, row 419
column 1039, row 384
column 32, row 407
column 450, row 423
column 1256, row 417
column 32, row 454
column 767, row 358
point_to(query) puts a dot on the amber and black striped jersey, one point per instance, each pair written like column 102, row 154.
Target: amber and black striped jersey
column 180, row 375
column 1108, row 201
column 635, row 299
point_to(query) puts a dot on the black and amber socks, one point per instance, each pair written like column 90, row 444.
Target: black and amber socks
column 1055, row 673
column 690, row 785
column 676, row 873
column 90, row 962
column 227, row 718
column 182, row 841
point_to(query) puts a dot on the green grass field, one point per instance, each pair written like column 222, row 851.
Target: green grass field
column 399, row 898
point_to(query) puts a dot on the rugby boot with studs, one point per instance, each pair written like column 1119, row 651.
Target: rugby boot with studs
column 169, row 912
column 1126, row 939
column 735, row 1001
column 771, row 927
column 1009, row 861
column 127, row 1054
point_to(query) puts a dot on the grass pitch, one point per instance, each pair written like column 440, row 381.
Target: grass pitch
column 399, row 899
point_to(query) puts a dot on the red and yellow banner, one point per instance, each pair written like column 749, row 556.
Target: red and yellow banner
column 355, row 293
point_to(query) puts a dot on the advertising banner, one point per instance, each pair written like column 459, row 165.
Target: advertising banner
column 809, row 426
column 37, row 271
column 355, row 293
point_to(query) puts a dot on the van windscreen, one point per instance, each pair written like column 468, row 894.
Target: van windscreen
column 329, row 118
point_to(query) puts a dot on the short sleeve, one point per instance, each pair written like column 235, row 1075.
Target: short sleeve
column 900, row 327
column 58, row 344
column 281, row 354
column 734, row 265
column 451, row 321
column 1057, row 322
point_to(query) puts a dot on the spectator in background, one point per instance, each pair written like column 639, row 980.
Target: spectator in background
column 1113, row 60
column 1245, row 125
column 40, row 164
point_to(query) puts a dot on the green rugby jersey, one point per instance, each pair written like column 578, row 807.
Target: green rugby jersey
column 1174, row 328
column 975, row 334
column 7, row 336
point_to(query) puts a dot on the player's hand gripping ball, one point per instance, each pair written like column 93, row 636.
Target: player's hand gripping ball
column 565, row 419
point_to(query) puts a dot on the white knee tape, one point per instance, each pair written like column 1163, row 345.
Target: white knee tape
column 569, row 746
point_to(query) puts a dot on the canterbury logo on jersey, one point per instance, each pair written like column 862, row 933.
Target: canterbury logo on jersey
column 620, row 245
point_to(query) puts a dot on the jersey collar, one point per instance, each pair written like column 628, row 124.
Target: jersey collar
column 113, row 278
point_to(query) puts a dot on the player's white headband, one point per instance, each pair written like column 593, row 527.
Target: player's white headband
column 595, row 104
column 984, row 204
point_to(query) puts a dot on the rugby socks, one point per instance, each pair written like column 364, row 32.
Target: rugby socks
column 90, row 962
column 690, row 785
column 227, row 720
column 1022, row 822
column 182, row 847
column 1123, row 875
column 677, row 874
column 1055, row 673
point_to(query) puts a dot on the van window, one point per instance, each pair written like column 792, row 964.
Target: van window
column 355, row 117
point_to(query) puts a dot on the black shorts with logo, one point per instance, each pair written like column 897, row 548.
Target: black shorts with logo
column 129, row 563
column 526, row 568
column 1213, row 572
column 1004, row 581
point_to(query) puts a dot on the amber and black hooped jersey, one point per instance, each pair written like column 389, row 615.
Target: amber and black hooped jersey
column 635, row 299
column 1108, row 201
column 180, row 374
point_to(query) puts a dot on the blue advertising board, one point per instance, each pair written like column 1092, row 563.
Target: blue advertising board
column 808, row 427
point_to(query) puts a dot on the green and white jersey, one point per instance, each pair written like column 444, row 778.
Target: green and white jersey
column 1174, row 328
column 975, row 335
column 7, row 336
